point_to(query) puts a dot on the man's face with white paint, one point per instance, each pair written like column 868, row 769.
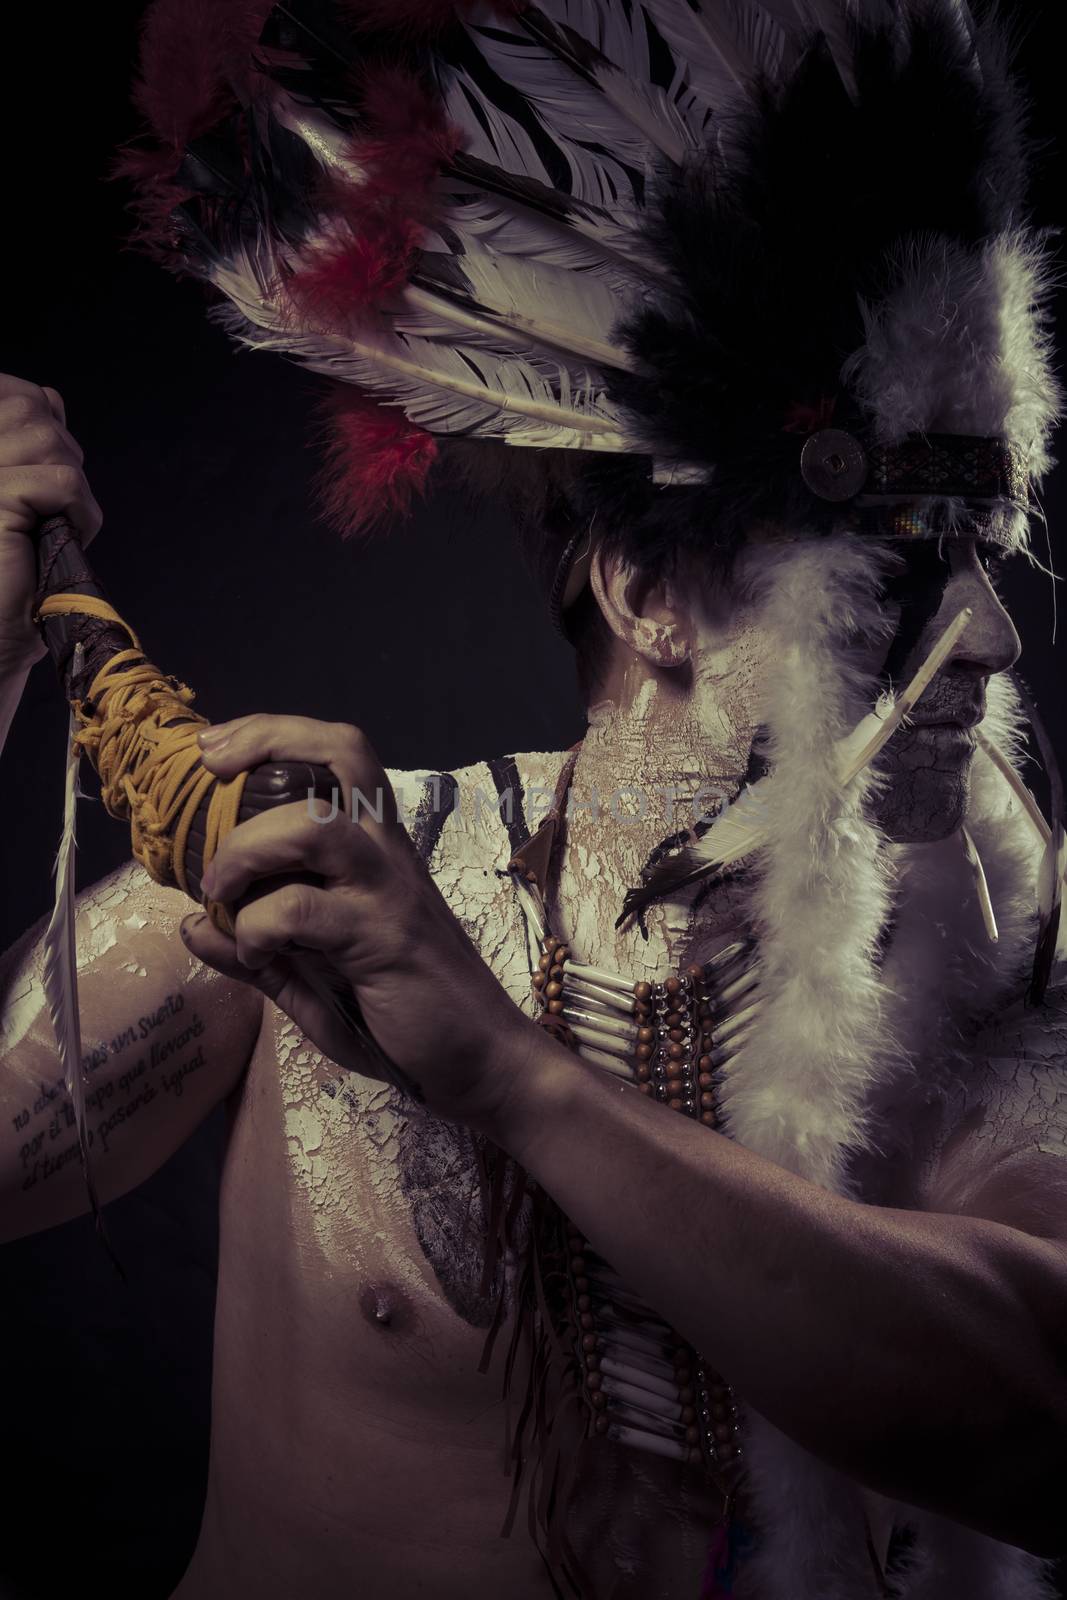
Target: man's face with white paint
column 927, row 763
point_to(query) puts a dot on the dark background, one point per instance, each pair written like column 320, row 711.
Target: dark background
column 431, row 641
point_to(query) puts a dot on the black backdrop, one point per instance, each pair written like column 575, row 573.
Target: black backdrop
column 430, row 641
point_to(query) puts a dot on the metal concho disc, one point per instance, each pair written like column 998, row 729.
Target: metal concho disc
column 833, row 464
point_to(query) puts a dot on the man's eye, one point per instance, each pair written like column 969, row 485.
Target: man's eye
column 993, row 560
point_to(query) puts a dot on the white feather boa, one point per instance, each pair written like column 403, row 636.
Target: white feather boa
column 845, row 1050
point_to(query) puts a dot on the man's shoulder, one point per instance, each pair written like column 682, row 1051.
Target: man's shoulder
column 479, row 812
column 465, row 825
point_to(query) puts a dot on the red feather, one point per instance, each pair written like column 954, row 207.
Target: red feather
column 376, row 463
column 195, row 62
column 381, row 217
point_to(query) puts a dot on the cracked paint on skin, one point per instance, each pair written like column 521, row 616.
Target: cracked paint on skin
column 685, row 748
column 345, row 1132
column 99, row 928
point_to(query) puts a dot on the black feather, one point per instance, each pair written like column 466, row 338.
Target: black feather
column 772, row 239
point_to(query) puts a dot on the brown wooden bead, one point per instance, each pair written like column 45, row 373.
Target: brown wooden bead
column 695, row 1458
column 592, row 1363
column 692, row 1435
column 704, row 1008
column 644, row 1052
column 645, row 1088
column 578, row 1264
column 593, row 1381
column 538, row 980
column 673, row 985
column 545, row 961
column 695, row 972
column 675, row 1051
column 676, row 1105
column 688, row 1415
column 589, row 1341
column 642, row 991
column 644, row 1072
column 708, row 1118
column 562, row 952
column 555, row 974
column 553, row 990
column 723, row 1432
column 582, row 1285
column 556, row 1007
column 599, row 1400
column 676, row 1035
column 707, row 1100
column 719, row 1413
column 704, row 1064
column 601, row 1424
column 646, row 1035
column 585, row 1320
column 672, row 1019
column 705, row 1080
column 584, row 1302
column 685, row 1396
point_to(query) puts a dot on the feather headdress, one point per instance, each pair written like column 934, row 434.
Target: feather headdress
column 697, row 243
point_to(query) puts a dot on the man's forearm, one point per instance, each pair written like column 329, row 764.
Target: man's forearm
column 916, row 1352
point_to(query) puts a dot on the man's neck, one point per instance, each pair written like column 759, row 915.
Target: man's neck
column 646, row 771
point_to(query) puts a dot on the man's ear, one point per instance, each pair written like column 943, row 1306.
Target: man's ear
column 646, row 614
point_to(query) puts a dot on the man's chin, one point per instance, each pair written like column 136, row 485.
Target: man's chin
column 921, row 806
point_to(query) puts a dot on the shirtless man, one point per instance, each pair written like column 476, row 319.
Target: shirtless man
column 353, row 1442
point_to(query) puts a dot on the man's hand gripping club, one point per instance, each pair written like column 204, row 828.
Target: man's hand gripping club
column 426, row 995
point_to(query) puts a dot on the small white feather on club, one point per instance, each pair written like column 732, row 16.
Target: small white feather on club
column 60, row 969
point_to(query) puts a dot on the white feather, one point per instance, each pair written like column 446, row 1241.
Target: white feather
column 725, row 44
column 60, row 970
column 445, row 388
column 620, row 33
column 582, row 97
column 526, row 301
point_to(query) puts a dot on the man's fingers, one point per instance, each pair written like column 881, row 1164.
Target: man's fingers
column 289, row 838
column 300, row 915
column 229, row 748
column 39, row 443
column 55, row 400
column 28, row 493
column 216, row 949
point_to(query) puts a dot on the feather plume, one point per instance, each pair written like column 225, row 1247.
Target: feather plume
column 444, row 388
column 375, row 464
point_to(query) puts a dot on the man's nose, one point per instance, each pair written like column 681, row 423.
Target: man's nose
column 989, row 643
